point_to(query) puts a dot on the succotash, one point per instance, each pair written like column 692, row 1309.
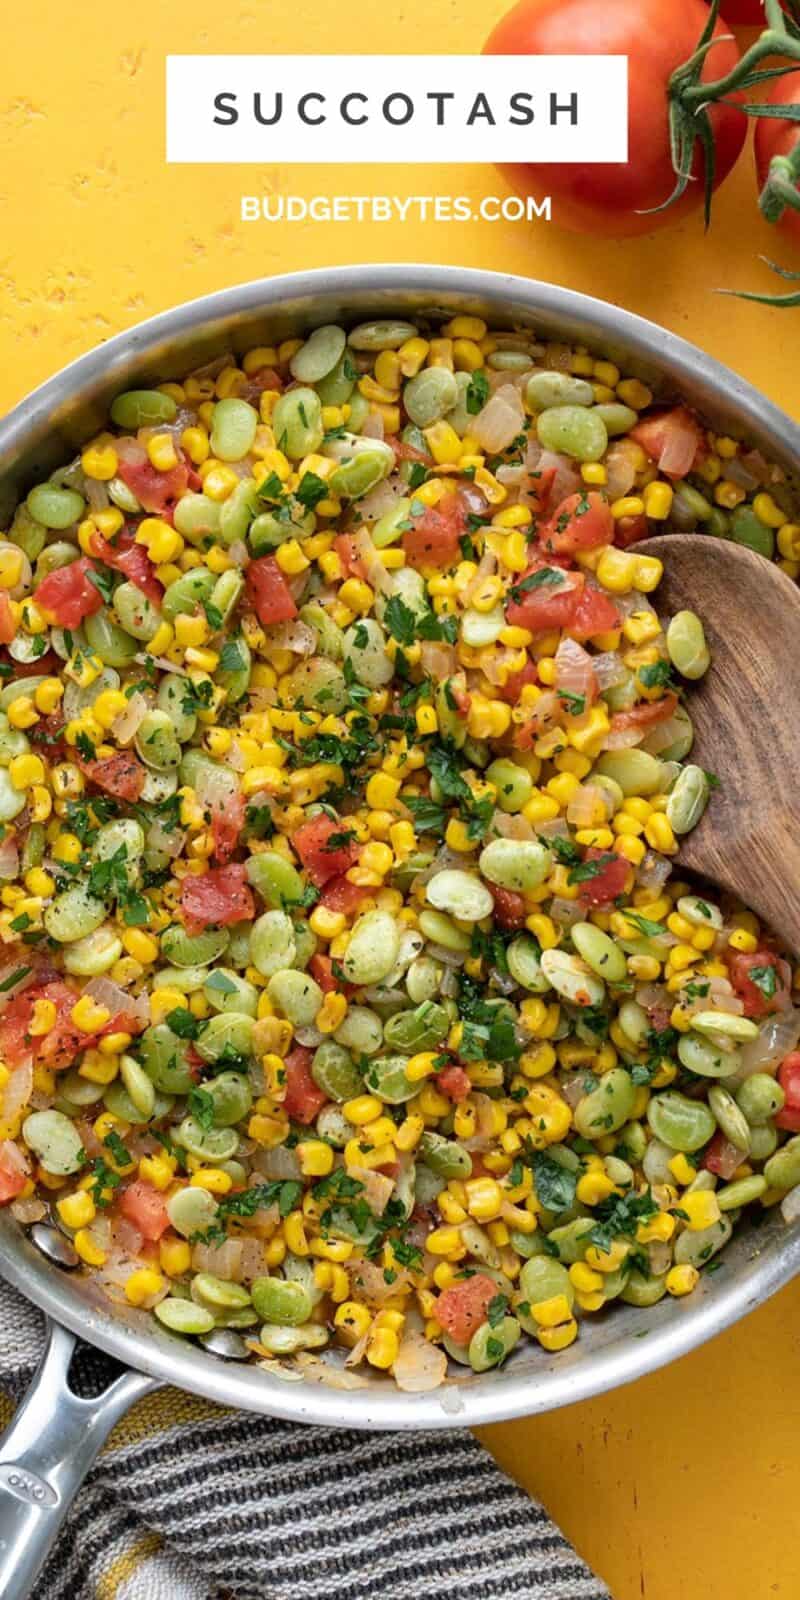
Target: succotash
column 348, row 996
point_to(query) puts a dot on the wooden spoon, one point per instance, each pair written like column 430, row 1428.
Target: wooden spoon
column 745, row 714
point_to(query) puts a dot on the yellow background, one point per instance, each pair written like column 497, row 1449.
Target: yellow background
column 687, row 1482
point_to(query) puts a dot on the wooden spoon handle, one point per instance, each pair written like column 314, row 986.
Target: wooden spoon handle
column 745, row 713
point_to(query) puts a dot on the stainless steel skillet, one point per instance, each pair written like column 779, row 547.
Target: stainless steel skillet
column 56, row 1436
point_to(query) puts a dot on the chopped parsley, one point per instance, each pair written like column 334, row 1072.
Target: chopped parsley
column 765, row 979
column 477, row 392
column 535, row 580
column 310, row 490
column 620, row 1215
column 656, row 675
column 555, row 1185
column 202, row 1106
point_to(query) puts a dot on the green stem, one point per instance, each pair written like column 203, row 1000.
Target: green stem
column 772, row 42
column 780, row 189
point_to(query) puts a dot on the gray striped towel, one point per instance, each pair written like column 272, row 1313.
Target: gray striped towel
column 192, row 1502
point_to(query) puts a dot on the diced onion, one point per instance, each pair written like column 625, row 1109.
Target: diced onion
column 9, row 858
column 500, row 421
column 777, row 1037
column 419, row 1365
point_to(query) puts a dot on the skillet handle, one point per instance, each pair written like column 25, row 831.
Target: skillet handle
column 45, row 1454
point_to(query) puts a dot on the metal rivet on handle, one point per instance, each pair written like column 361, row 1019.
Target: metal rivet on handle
column 225, row 1343
column 54, row 1246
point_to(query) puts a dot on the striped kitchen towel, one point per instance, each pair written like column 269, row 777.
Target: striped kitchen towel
column 192, row 1502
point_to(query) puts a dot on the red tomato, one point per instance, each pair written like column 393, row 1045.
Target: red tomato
column 606, row 884
column 8, row 626
column 789, row 1080
column 59, row 1046
column 303, row 1100
column 545, row 606
column 580, row 522
column 227, row 821
column 12, row 1181
column 755, row 992
column 142, row 1204
column 777, row 136
column 509, row 908
column 49, row 664
column 321, row 969
column 154, row 490
column 321, row 861
column 121, row 774
column 511, row 690
column 463, row 1308
column 347, row 550
column 744, row 13
column 647, row 715
column 594, row 613
column 538, row 489
column 269, row 592
column 454, row 1083
column 68, row 594
column 722, row 1157
column 673, row 439
column 629, row 530
column 342, row 895
column 433, row 540
column 407, row 452
column 657, row 36
column 220, row 896
column 132, row 560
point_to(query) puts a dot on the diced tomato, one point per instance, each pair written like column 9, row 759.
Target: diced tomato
column 509, row 908
column 593, row 614
column 646, row 715
column 766, row 992
column 321, row 861
column 154, row 490
column 269, row 592
column 723, row 1157
column 671, row 438
column 122, row 774
column 433, row 540
column 581, row 522
column 547, row 604
column 408, row 452
column 132, row 560
column 321, row 969
column 68, row 594
column 789, row 1080
column 12, row 1180
column 59, row 1046
column 265, row 378
column 145, row 1207
column 347, row 550
column 227, row 821
column 8, row 626
column 538, row 489
column 303, row 1100
column 217, row 898
column 608, row 882
column 461, row 1309
column 511, row 690
column 629, row 530
column 454, row 1083
column 342, row 895
column 48, row 663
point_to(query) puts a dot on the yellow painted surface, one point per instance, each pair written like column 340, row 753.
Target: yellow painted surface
column 687, row 1483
